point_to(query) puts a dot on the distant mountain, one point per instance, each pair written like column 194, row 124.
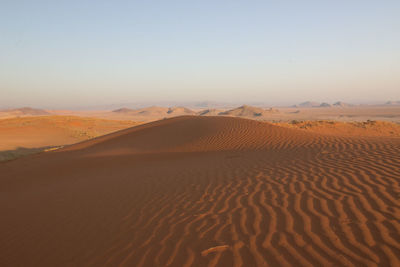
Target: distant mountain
column 248, row 111
column 156, row 111
column 311, row 104
column 207, row 104
column 26, row 111
column 393, row 103
column 123, row 110
column 308, row 104
column 325, row 105
column 342, row 104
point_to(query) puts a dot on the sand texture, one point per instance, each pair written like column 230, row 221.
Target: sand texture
column 205, row 191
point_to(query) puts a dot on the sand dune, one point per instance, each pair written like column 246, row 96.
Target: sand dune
column 180, row 111
column 205, row 191
column 25, row 135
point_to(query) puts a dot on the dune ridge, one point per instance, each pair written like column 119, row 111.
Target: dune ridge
column 196, row 134
column 205, row 191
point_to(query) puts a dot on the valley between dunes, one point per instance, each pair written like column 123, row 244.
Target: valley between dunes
column 205, row 191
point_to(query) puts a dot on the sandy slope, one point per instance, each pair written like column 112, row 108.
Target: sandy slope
column 205, row 191
column 23, row 135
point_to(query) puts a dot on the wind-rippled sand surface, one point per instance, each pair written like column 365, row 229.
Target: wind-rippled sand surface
column 205, row 191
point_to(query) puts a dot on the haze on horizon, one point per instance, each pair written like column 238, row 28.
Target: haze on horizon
column 77, row 53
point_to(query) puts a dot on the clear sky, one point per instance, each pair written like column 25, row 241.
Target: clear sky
column 76, row 53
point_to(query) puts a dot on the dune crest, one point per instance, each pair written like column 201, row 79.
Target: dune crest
column 195, row 134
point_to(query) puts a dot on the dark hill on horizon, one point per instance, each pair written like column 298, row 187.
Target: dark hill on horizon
column 26, row 111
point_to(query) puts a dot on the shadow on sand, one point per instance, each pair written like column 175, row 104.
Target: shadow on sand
column 7, row 155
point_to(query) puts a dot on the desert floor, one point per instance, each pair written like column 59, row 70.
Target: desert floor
column 347, row 114
column 205, row 191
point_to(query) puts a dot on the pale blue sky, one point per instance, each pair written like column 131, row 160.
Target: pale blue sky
column 77, row 53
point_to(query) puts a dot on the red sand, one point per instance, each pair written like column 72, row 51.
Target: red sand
column 205, row 191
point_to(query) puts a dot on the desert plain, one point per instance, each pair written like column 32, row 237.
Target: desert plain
column 246, row 186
